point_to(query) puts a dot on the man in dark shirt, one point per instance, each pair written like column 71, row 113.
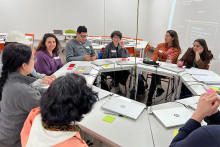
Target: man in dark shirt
column 192, row 134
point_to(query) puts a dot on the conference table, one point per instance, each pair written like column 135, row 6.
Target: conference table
column 146, row 130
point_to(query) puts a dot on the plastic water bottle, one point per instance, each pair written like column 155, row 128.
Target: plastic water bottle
column 169, row 56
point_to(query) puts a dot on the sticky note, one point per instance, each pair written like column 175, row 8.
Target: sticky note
column 214, row 88
column 140, row 59
column 108, row 118
column 80, row 70
column 210, row 90
column 70, row 68
column 175, row 132
column 106, row 65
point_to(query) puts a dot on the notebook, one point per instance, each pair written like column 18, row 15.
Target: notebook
column 211, row 80
column 85, row 70
column 124, row 106
column 125, row 62
column 172, row 68
column 102, row 62
column 58, row 32
column 173, row 117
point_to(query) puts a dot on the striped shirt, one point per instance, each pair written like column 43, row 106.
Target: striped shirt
column 161, row 53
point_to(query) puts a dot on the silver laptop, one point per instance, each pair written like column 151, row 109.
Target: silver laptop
column 211, row 80
column 173, row 117
column 102, row 62
column 124, row 106
column 58, row 32
column 125, row 62
column 85, row 70
column 172, row 68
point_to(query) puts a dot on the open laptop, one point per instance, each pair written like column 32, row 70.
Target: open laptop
column 172, row 68
column 102, row 62
column 124, row 106
column 58, row 32
column 125, row 62
column 173, row 117
column 85, row 70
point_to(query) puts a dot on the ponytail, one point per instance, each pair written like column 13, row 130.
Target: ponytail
column 3, row 78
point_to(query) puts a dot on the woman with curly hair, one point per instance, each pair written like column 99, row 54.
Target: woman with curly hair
column 198, row 56
column 48, row 60
column 53, row 123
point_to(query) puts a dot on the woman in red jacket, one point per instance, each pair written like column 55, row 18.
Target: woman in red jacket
column 53, row 123
column 170, row 47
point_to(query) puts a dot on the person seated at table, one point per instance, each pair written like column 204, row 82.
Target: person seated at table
column 192, row 134
column 170, row 46
column 115, row 49
column 197, row 56
column 48, row 60
column 17, row 95
column 54, row 123
column 19, row 37
column 79, row 48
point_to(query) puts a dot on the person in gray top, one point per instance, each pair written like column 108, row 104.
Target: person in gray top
column 79, row 48
column 18, row 96
column 115, row 49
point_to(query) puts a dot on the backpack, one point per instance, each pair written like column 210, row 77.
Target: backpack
column 141, row 85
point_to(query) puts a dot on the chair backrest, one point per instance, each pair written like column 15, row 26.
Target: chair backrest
column 208, row 67
column 58, row 32
column 130, row 50
column 93, row 36
column 105, row 36
column 126, row 37
column 70, row 31
column 2, row 46
column 102, row 49
column 138, row 39
column 100, row 55
column 30, row 35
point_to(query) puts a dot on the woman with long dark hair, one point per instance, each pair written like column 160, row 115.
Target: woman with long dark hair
column 18, row 96
column 197, row 56
column 48, row 60
column 53, row 123
column 169, row 49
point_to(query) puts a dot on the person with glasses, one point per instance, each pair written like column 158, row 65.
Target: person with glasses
column 171, row 46
column 17, row 94
column 48, row 60
column 79, row 48
column 115, row 49
column 19, row 37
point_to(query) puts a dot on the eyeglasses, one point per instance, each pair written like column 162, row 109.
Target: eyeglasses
column 116, row 38
column 35, row 59
column 167, row 36
column 84, row 36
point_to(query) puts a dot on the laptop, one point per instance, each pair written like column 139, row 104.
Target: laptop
column 172, row 68
column 58, row 32
column 173, row 117
column 125, row 62
column 102, row 62
column 210, row 80
column 85, row 70
column 124, row 106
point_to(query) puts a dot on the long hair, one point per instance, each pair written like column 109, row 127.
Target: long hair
column 66, row 100
column 206, row 54
column 42, row 45
column 14, row 55
column 176, row 39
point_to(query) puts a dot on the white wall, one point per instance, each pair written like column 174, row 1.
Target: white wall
column 41, row 16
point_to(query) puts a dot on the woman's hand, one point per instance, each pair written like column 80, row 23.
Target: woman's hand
column 198, row 53
column 49, row 79
column 180, row 63
column 207, row 105
column 122, row 43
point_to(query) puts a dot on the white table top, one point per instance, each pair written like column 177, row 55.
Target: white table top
column 121, row 132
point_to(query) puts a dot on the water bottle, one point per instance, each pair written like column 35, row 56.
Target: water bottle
column 169, row 56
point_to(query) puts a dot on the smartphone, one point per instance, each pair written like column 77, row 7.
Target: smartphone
column 72, row 65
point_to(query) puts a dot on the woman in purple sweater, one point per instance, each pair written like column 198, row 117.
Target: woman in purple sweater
column 48, row 60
